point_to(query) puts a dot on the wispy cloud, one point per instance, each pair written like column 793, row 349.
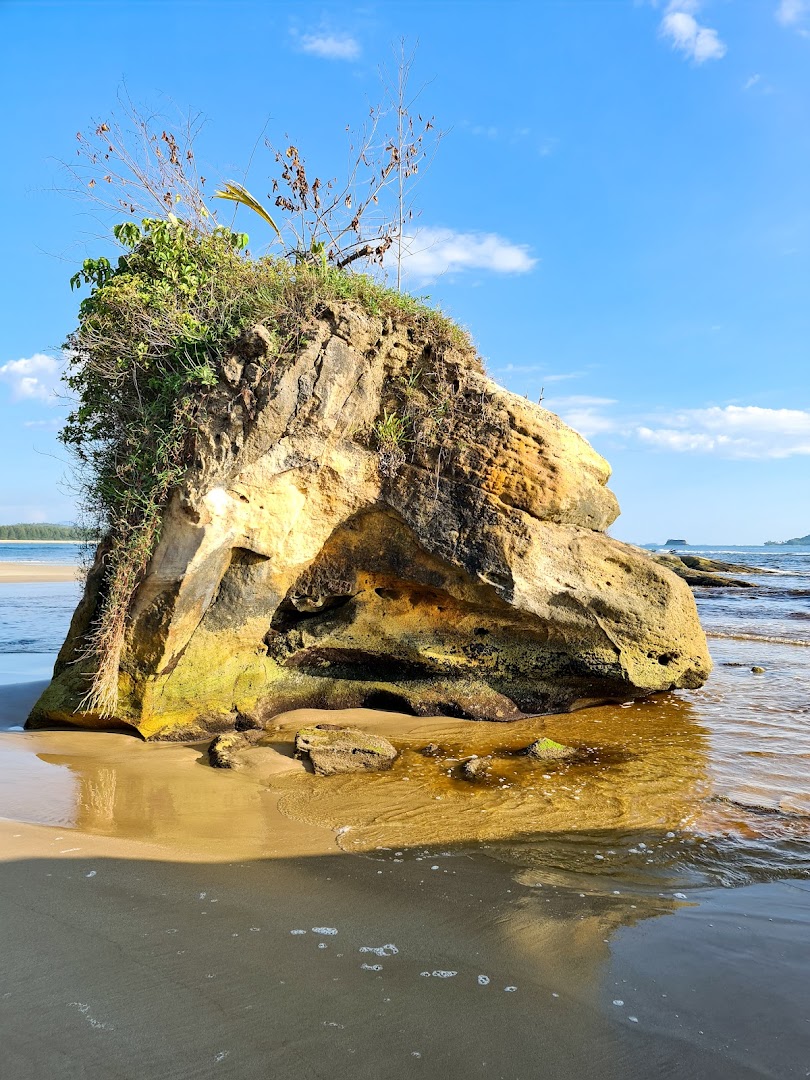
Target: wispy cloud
column 734, row 431
column 792, row 12
column 727, row 431
column 543, row 145
column 687, row 35
column 430, row 252
column 329, row 46
column 536, row 370
column 51, row 425
column 34, row 378
column 752, row 80
column 588, row 415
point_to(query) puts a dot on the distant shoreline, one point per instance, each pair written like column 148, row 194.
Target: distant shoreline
column 94, row 541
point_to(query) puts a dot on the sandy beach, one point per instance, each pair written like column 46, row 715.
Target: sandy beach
column 641, row 912
column 130, row 959
column 165, row 919
column 25, row 572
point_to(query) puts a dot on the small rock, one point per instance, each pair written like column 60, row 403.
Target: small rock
column 232, row 369
column 333, row 749
column 252, row 375
column 223, row 750
column 431, row 750
column 476, row 768
column 758, row 670
column 255, row 343
column 548, row 750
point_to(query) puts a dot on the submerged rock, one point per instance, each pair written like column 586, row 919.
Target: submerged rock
column 333, row 749
column 548, row 750
column 431, row 750
column 476, row 768
column 306, row 560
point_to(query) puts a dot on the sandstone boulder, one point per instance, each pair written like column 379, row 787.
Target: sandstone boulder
column 310, row 558
column 333, row 749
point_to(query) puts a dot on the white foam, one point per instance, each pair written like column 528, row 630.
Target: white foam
column 329, row 931
column 380, row 950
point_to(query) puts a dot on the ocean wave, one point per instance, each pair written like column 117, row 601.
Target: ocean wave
column 765, row 638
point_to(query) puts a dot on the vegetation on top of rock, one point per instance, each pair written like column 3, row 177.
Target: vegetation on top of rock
column 148, row 351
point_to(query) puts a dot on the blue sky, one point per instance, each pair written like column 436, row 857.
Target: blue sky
column 619, row 213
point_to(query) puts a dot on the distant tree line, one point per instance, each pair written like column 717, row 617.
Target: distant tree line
column 41, row 531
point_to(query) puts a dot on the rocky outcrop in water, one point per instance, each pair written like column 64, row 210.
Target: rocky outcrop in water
column 707, row 572
column 374, row 522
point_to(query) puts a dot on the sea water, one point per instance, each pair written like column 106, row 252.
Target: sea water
column 724, row 768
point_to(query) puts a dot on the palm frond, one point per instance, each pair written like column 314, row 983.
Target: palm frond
column 237, row 193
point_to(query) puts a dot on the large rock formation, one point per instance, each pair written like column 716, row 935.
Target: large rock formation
column 319, row 555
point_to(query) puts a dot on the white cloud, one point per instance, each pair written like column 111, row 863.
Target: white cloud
column 584, row 413
column 330, row 46
column 729, row 431
column 752, row 80
column 537, row 370
column 34, row 378
column 432, row 252
column 686, row 34
column 734, row 431
column 791, row 12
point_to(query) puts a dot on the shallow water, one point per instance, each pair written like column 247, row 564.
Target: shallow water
column 55, row 553
column 637, row 911
column 710, row 785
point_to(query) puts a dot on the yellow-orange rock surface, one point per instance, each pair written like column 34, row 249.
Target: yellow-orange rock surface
column 305, row 560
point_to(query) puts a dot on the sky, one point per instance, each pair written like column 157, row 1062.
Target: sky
column 619, row 213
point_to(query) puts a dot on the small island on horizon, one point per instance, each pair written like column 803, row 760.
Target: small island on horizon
column 797, row 541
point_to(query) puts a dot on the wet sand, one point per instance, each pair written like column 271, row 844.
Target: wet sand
column 152, row 910
column 24, row 572
column 122, row 962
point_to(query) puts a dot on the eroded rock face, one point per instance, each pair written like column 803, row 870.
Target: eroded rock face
column 300, row 566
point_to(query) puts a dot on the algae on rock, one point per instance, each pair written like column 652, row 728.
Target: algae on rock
column 473, row 579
